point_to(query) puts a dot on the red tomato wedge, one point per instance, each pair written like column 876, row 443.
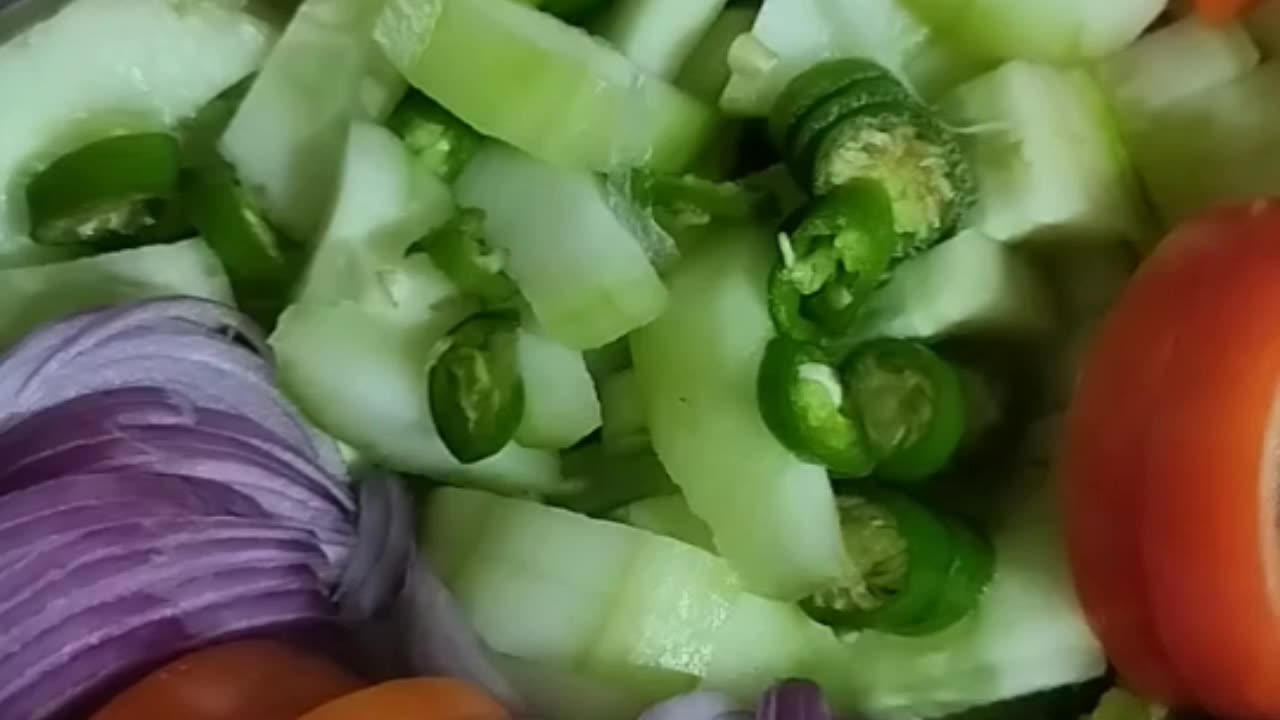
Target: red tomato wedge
column 413, row 699
column 1221, row 11
column 1170, row 470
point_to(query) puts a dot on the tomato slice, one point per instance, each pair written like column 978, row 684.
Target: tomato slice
column 1170, row 470
column 1222, row 11
column 413, row 699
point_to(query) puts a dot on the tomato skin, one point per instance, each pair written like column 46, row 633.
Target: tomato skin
column 258, row 679
column 1222, row 11
column 1168, row 480
column 413, row 699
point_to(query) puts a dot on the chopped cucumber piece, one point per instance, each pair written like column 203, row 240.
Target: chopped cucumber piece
column 1211, row 147
column 658, row 35
column 286, row 141
column 625, row 423
column 560, row 403
column 37, row 295
column 382, row 86
column 706, row 71
column 1173, row 62
column 103, row 66
column 1048, row 157
column 1049, row 30
column 968, row 285
column 384, row 415
column 605, row 481
column 669, row 516
column 642, row 611
column 1027, row 634
column 577, row 102
column 385, row 202
column 772, row 515
column 790, row 36
column 573, row 254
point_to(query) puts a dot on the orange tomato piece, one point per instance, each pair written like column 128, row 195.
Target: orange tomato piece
column 414, row 699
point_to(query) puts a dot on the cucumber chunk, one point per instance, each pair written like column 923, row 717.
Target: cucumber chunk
column 968, row 285
column 669, row 516
column 579, row 103
column 706, row 71
column 624, row 425
column 37, row 295
column 1048, row 157
column 560, row 403
column 658, row 35
column 772, row 515
column 382, row 86
column 1049, row 30
column 791, row 36
column 102, row 66
column 574, row 256
column 287, row 139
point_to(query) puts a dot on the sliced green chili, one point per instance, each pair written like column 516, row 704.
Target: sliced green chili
column 911, row 571
column 476, row 394
column 439, row 140
column 105, row 192
column 831, row 261
column 459, row 249
column 912, row 404
column 805, row 407
column 683, row 202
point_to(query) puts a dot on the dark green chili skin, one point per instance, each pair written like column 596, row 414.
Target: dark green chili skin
column 475, row 391
column 819, row 84
column 833, row 258
column 459, row 249
column 798, row 394
column 439, row 140
column 912, row 404
column 109, row 192
column 964, row 586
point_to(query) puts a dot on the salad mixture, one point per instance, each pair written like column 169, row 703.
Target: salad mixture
column 659, row 359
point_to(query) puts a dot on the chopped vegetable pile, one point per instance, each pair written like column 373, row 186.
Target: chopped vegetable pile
column 639, row 359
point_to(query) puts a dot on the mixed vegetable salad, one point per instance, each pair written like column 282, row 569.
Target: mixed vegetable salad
column 660, row 359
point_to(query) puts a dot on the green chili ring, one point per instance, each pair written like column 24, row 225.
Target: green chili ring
column 459, row 249
column 966, row 583
column 814, row 86
column 869, row 97
column 474, row 388
column 105, row 191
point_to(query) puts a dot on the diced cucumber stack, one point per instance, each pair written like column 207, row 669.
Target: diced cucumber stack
column 773, row 516
column 1048, row 157
column 573, row 252
column 98, row 63
column 287, row 140
column 790, row 36
column 550, row 89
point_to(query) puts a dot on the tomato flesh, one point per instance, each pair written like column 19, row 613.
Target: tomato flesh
column 1222, row 11
column 413, row 699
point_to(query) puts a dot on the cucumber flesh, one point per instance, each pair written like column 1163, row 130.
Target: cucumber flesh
column 1048, row 157
column 385, row 415
column 577, row 261
column 658, row 35
column 581, row 103
column 37, row 295
column 772, row 515
column 149, row 62
column 286, row 141
column 669, row 516
column 647, row 613
column 624, row 424
column 382, row 86
column 791, row 36
column 560, row 403
column 1046, row 30
column 1210, row 148
column 968, row 285
column 1173, row 62
column 705, row 72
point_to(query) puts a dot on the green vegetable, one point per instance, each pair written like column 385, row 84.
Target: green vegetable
column 705, row 72
column 804, row 404
column 108, row 192
column 1046, row 30
column 1048, row 157
column 571, row 10
column 669, row 516
column 459, row 249
column 969, row 285
column 772, row 515
column 382, row 87
column 1119, row 704
column 831, row 261
column 577, row 102
column 560, row 402
column 912, row 571
column 602, row 480
column 288, row 137
column 851, row 119
column 790, row 36
column 441, row 142
column 86, row 67
column 33, row 296
column 681, row 203
column 914, row 407
column 475, row 388
column 658, row 35
column 576, row 255
column 625, row 427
